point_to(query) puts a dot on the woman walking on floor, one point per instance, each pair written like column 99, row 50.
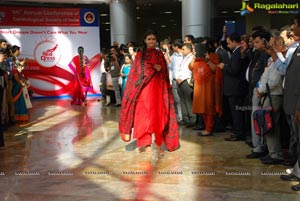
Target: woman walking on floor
column 147, row 104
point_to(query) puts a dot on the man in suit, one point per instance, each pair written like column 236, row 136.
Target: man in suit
column 235, row 87
column 291, row 105
column 291, row 102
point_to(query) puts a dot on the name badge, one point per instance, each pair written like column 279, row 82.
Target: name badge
column 112, row 67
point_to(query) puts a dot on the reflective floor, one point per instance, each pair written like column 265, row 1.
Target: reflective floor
column 74, row 153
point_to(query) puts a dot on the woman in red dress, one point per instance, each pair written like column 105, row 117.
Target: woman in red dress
column 147, row 104
column 82, row 82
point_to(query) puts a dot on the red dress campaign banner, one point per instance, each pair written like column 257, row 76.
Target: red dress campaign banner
column 23, row 16
column 49, row 38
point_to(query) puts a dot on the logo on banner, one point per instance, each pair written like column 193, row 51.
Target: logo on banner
column 246, row 9
column 47, row 53
column 89, row 17
column 271, row 8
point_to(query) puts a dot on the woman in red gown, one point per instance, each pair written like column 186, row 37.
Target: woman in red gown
column 147, row 104
column 82, row 82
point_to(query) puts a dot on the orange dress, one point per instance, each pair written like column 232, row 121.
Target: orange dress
column 207, row 90
column 204, row 86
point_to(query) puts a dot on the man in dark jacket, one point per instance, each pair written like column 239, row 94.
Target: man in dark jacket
column 235, row 86
column 255, row 70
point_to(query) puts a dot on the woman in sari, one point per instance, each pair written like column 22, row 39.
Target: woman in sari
column 147, row 104
column 19, row 82
column 125, row 71
column 207, row 98
column 82, row 82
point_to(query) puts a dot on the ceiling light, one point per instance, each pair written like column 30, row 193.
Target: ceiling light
column 224, row 12
column 103, row 15
column 163, row 26
column 237, row 11
column 168, row 12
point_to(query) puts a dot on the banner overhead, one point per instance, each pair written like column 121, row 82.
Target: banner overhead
column 49, row 38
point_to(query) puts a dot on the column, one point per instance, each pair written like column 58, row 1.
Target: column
column 122, row 21
column 196, row 15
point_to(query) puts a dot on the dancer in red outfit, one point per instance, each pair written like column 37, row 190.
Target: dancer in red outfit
column 147, row 104
column 82, row 82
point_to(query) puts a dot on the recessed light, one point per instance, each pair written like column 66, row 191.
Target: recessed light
column 168, row 12
column 163, row 26
column 224, row 11
column 103, row 15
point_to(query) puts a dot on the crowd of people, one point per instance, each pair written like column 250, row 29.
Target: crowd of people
column 14, row 96
column 207, row 84
column 214, row 85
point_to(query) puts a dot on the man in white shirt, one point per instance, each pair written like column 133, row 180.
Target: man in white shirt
column 182, row 75
column 173, row 64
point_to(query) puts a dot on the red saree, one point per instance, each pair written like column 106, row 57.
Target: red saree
column 82, row 82
column 148, row 104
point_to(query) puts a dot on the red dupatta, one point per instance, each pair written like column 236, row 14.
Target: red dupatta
column 135, row 85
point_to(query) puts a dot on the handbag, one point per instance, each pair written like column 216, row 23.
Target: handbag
column 263, row 118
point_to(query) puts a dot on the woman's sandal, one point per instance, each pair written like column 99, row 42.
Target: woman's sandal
column 160, row 152
column 125, row 137
column 148, row 149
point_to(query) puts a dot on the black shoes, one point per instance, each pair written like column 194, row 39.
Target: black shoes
column 296, row 187
column 256, row 155
column 117, row 105
column 289, row 162
column 198, row 128
column 289, row 177
column 235, row 138
column 205, row 135
column 271, row 161
column 189, row 124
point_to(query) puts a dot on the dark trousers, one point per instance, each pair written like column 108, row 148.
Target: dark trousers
column 185, row 94
column 236, row 109
column 226, row 118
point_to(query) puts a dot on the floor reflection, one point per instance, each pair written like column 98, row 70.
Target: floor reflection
column 84, row 141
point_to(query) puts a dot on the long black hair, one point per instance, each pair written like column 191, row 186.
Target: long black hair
column 144, row 50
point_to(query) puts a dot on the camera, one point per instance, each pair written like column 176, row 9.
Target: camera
column 163, row 49
column 109, row 56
